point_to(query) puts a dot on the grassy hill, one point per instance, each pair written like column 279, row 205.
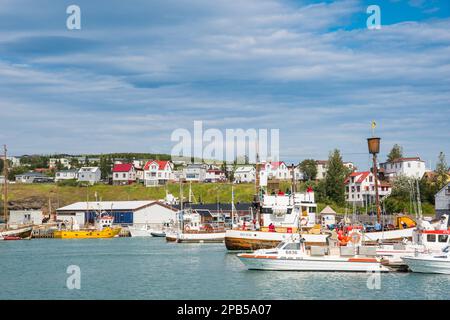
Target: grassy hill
column 39, row 195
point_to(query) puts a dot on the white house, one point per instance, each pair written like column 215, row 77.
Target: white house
column 295, row 170
column 53, row 162
column 409, row 167
column 245, row 174
column 13, row 161
column 123, row 173
column 89, row 174
column 322, row 168
column 138, row 213
column 442, row 201
column 215, row 175
column 274, row 170
column 66, row 175
column 195, row 172
column 157, row 172
column 18, row 217
column 360, row 188
column 32, row 177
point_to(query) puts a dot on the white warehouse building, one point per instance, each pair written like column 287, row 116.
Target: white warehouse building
column 152, row 213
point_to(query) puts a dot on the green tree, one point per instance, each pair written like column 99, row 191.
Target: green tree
column 395, row 153
column 74, row 163
column 441, row 171
column 86, row 161
column 1, row 166
column 309, row 169
column 335, row 177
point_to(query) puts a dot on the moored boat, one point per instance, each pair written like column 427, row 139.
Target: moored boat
column 16, row 234
column 140, row 231
column 430, row 263
column 281, row 216
column 292, row 255
column 197, row 226
column 103, row 229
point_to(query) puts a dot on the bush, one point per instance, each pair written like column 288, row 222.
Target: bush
column 68, row 183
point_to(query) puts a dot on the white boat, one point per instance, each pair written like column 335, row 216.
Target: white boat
column 286, row 213
column 205, row 237
column 198, row 226
column 149, row 231
column 158, row 234
column 427, row 239
column 292, row 255
column 430, row 263
column 140, row 231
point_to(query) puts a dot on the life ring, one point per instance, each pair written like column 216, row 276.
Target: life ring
column 187, row 228
column 304, row 221
column 355, row 237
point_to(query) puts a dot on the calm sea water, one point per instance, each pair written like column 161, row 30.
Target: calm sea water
column 150, row 268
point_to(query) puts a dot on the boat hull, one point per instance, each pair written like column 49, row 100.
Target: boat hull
column 253, row 240
column 158, row 234
column 212, row 237
column 272, row 263
column 22, row 233
column 390, row 235
column 86, row 234
column 428, row 265
column 138, row 232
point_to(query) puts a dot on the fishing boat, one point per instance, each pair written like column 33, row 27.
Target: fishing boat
column 292, row 255
column 23, row 233
column 197, row 226
column 281, row 215
column 103, row 228
column 430, row 263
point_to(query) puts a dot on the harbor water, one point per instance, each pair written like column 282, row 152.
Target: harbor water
column 151, row 268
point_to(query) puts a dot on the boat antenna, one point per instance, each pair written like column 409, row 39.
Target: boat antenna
column 5, row 186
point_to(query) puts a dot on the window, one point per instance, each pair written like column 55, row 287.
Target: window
column 358, row 189
column 124, row 175
column 431, row 238
column 292, row 246
column 443, row 238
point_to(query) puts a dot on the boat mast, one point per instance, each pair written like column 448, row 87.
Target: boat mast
column 232, row 207
column 258, row 185
column 5, row 187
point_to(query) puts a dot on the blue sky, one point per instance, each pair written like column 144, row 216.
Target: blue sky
column 137, row 70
